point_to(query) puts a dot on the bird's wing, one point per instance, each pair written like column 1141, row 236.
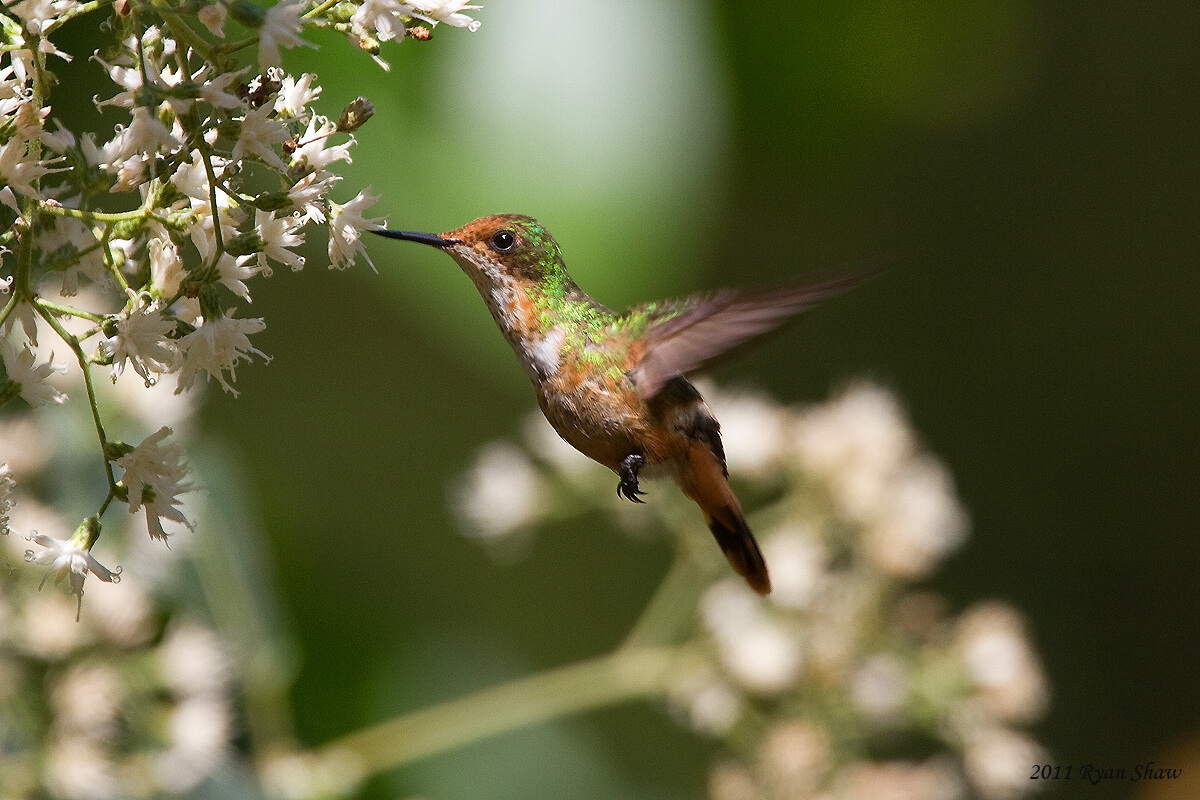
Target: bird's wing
column 685, row 335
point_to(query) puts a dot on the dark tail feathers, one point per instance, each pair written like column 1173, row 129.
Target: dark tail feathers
column 737, row 542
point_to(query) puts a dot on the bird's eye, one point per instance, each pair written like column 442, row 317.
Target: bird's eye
column 503, row 241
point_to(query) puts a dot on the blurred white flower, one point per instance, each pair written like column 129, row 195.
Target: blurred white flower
column 762, row 654
column 797, row 562
column 125, row 614
column 77, row 769
column 935, row 779
column 855, row 442
column 49, row 626
column 27, row 316
column 447, row 11
column 194, row 661
column 501, row 493
column 87, row 700
column 216, row 347
column 752, row 431
column 155, row 477
column 213, row 18
column 997, row 762
column 998, row 658
column 199, row 729
column 796, row 755
column 30, row 377
column 381, row 19
column 919, row 521
column 280, row 28
column 878, row 686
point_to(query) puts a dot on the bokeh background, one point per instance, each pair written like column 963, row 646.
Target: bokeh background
column 1030, row 168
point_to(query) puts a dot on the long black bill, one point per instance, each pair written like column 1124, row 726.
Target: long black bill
column 423, row 238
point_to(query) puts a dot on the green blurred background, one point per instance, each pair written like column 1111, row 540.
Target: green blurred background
column 1032, row 168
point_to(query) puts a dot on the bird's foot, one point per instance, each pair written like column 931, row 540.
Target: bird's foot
column 628, row 485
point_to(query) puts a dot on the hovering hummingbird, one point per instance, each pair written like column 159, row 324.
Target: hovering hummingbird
column 613, row 385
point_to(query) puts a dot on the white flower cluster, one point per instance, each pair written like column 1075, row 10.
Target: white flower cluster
column 844, row 653
column 138, row 248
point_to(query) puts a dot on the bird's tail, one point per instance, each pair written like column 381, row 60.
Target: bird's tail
column 704, row 481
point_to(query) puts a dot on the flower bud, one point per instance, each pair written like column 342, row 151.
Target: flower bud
column 355, row 115
column 248, row 14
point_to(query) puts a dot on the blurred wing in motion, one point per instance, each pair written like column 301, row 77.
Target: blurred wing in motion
column 686, row 335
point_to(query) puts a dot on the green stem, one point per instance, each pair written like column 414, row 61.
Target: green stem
column 626, row 674
column 95, row 216
column 321, row 9
column 79, row 10
column 73, row 343
column 69, row 311
column 9, row 307
column 668, row 615
column 184, row 32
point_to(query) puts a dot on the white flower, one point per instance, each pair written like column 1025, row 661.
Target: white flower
column 142, row 340
column 19, row 170
column 213, row 18
column 435, row 11
column 70, row 559
column 19, row 364
column 27, row 315
column 295, row 95
column 380, row 18
column 145, row 136
column 346, row 224
column 166, row 267
column 154, row 477
column 280, row 29
column 216, row 346
column 258, row 136
column 308, row 195
column 215, row 91
column 233, row 272
column 278, row 234
column 312, row 151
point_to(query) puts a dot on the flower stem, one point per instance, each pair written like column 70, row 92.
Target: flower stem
column 625, row 674
column 668, row 614
column 84, row 365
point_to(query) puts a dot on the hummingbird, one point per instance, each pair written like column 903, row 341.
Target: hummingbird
column 613, row 385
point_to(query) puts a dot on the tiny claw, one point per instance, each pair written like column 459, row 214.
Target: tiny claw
column 627, row 487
